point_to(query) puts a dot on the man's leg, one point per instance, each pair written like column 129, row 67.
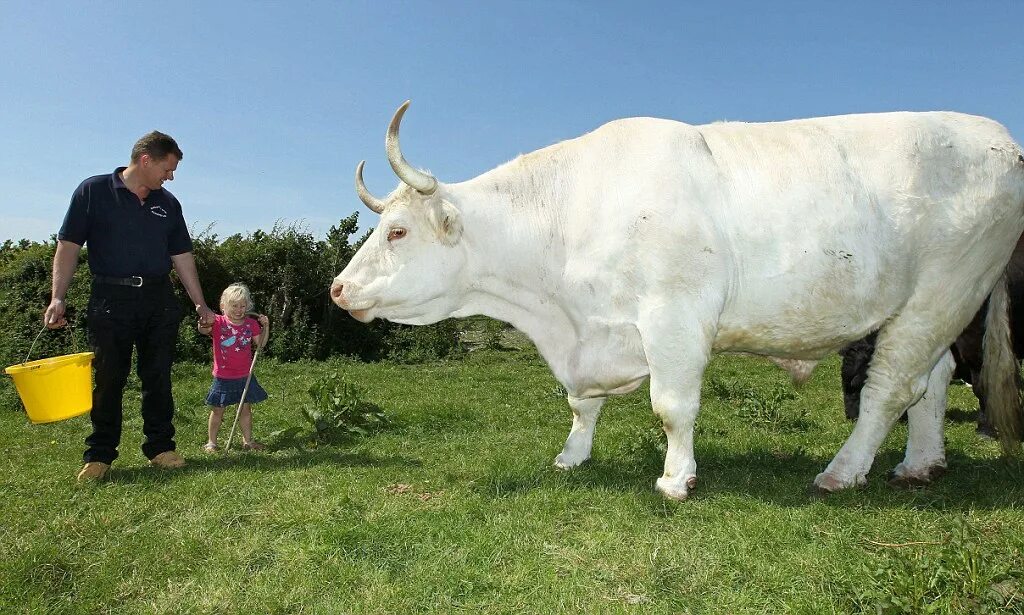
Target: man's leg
column 110, row 337
column 156, row 340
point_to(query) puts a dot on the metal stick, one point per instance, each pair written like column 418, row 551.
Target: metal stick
column 245, row 391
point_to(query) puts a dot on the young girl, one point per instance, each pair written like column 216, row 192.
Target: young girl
column 234, row 333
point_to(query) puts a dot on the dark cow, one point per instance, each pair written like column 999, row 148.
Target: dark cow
column 967, row 349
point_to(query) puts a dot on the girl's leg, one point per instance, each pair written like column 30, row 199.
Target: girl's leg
column 245, row 424
column 216, row 416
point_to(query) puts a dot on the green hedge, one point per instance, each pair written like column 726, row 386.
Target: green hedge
column 287, row 269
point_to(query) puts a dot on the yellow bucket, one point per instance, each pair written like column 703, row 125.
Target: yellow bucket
column 54, row 389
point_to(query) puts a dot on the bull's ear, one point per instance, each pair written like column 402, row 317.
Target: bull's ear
column 447, row 223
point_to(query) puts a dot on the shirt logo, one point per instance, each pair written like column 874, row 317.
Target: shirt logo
column 156, row 210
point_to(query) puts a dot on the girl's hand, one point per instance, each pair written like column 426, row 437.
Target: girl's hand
column 263, row 320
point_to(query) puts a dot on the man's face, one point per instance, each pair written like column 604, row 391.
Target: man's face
column 156, row 172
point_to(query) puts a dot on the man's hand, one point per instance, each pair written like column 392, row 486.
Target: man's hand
column 205, row 315
column 53, row 317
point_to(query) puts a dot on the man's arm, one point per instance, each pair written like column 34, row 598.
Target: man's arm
column 185, row 265
column 65, row 261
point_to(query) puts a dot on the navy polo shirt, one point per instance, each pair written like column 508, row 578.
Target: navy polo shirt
column 126, row 237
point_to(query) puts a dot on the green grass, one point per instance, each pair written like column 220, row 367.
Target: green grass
column 455, row 507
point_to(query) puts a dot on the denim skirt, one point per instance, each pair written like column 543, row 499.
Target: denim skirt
column 228, row 392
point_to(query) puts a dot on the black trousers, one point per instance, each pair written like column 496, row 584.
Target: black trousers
column 119, row 319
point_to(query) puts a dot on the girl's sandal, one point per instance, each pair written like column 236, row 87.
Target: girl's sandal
column 210, row 447
column 253, row 446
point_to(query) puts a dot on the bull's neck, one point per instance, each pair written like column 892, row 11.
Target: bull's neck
column 517, row 260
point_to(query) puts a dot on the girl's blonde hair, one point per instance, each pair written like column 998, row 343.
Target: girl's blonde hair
column 237, row 291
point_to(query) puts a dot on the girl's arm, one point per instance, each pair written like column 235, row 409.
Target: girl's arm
column 264, row 335
column 205, row 329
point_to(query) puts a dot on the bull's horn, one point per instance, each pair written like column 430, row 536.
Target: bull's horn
column 422, row 182
column 375, row 204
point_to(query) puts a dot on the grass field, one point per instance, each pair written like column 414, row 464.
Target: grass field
column 455, row 507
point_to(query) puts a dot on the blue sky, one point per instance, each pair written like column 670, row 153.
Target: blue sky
column 274, row 104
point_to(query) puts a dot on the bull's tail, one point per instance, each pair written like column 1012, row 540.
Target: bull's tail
column 1000, row 373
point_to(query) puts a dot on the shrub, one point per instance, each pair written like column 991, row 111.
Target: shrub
column 408, row 344
column 24, row 294
column 338, row 410
column 492, row 332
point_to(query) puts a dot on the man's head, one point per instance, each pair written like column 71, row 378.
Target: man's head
column 156, row 156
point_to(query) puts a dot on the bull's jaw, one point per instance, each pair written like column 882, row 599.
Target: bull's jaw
column 363, row 316
column 428, row 312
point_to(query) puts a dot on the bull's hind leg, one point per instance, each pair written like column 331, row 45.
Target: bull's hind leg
column 581, row 436
column 899, row 376
column 926, row 455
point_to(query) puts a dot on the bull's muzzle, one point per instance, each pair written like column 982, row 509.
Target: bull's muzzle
column 338, row 294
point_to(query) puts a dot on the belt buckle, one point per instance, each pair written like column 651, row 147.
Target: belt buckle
column 136, row 277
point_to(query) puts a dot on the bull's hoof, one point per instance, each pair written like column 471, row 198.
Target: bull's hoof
column 826, row 483
column 565, row 461
column 902, row 478
column 674, row 489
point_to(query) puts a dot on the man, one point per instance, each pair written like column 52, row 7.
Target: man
column 135, row 232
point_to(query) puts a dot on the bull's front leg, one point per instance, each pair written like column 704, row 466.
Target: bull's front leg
column 581, row 437
column 677, row 354
column 677, row 402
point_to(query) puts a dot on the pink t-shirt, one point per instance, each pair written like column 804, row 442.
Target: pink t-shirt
column 232, row 346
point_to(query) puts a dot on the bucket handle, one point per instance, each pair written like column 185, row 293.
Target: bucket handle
column 30, row 348
column 74, row 341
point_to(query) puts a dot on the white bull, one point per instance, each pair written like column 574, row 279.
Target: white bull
column 645, row 246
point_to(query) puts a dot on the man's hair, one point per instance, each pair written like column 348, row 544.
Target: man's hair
column 157, row 145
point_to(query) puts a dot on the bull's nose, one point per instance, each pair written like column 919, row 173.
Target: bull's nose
column 337, row 288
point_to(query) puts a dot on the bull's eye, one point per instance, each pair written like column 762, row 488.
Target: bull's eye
column 396, row 233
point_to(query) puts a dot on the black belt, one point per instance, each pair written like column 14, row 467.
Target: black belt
column 135, row 280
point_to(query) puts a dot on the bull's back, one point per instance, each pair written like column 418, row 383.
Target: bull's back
column 821, row 229
column 837, row 222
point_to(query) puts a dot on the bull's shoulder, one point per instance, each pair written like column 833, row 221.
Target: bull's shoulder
column 649, row 135
column 644, row 128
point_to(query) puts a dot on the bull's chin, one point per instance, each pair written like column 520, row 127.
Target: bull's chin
column 418, row 321
column 363, row 316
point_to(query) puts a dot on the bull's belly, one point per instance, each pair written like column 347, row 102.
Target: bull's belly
column 773, row 342
column 813, row 318
column 836, row 298
column 805, row 331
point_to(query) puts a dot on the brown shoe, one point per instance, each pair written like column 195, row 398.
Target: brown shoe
column 94, row 470
column 168, row 460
